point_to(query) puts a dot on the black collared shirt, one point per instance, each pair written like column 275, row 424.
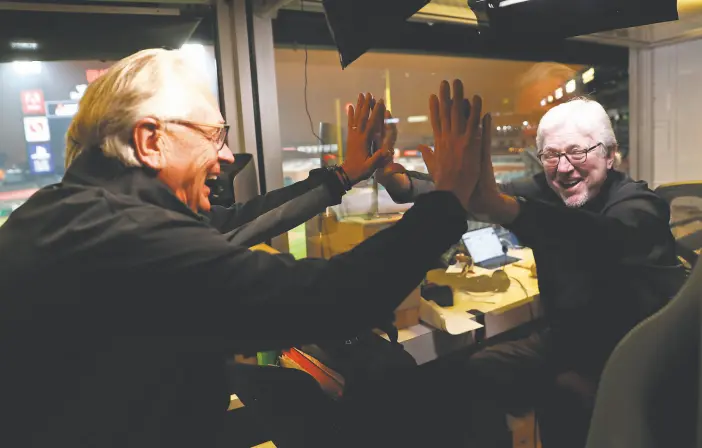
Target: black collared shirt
column 119, row 304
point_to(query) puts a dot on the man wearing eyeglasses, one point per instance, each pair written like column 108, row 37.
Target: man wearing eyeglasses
column 120, row 303
column 597, row 236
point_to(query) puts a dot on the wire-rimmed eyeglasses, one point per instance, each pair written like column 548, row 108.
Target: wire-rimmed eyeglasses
column 216, row 132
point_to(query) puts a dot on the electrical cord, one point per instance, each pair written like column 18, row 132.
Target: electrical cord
column 505, row 245
column 531, row 316
column 323, row 234
column 526, row 293
column 307, row 107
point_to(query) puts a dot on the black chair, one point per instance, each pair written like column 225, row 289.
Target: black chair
column 649, row 391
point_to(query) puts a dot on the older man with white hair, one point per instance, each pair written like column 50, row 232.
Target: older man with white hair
column 121, row 303
column 598, row 238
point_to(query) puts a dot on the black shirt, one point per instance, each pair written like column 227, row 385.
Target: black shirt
column 597, row 264
column 594, row 262
column 119, row 304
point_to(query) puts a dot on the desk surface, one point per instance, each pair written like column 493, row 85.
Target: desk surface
column 426, row 343
column 523, row 288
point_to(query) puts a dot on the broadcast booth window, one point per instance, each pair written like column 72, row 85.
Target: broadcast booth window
column 46, row 71
column 518, row 85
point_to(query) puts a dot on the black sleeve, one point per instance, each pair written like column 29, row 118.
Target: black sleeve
column 279, row 211
column 420, row 183
column 259, row 301
column 634, row 229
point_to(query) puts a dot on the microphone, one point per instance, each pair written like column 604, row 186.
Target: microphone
column 504, row 252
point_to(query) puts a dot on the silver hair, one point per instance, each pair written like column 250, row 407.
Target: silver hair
column 155, row 82
column 589, row 116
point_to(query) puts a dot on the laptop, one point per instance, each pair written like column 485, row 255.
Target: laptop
column 485, row 248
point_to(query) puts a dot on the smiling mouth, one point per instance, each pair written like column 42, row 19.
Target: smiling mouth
column 567, row 185
column 211, row 184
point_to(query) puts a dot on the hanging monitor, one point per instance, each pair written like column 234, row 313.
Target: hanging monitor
column 524, row 21
column 356, row 25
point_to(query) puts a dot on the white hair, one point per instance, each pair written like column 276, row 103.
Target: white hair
column 151, row 83
column 588, row 116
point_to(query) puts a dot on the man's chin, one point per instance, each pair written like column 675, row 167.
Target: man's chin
column 575, row 201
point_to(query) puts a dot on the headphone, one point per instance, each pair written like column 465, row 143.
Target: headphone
column 498, row 281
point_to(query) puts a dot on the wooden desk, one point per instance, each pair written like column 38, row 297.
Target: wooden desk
column 523, row 288
column 503, row 311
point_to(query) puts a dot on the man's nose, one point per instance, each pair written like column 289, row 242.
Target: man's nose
column 225, row 155
column 564, row 165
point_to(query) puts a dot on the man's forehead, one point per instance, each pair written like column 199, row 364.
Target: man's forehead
column 206, row 109
column 566, row 136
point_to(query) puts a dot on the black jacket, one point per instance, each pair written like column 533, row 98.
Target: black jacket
column 596, row 264
column 119, row 304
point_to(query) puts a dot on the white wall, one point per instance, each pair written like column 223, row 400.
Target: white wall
column 673, row 91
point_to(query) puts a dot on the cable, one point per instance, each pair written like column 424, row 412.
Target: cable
column 323, row 234
column 307, row 108
column 526, row 294
column 531, row 315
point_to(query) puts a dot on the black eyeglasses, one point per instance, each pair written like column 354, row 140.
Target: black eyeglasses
column 216, row 132
column 551, row 159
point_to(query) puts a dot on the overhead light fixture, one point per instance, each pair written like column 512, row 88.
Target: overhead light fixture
column 543, row 102
column 588, row 75
column 392, row 120
column 511, row 2
column 24, row 45
column 192, row 47
column 570, row 86
column 550, row 98
column 525, row 123
column 417, row 119
column 559, row 93
column 27, row 67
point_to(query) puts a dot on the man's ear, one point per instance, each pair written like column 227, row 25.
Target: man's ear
column 612, row 156
column 146, row 135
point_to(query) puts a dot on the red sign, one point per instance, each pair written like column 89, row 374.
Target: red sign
column 91, row 75
column 33, row 102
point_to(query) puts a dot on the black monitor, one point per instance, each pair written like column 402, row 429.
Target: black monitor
column 520, row 21
column 356, row 24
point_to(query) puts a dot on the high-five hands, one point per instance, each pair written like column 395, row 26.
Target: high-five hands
column 488, row 203
column 359, row 163
column 387, row 143
column 455, row 161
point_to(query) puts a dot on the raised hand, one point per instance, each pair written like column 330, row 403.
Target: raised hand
column 359, row 163
column 488, row 203
column 388, row 169
column 455, row 161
